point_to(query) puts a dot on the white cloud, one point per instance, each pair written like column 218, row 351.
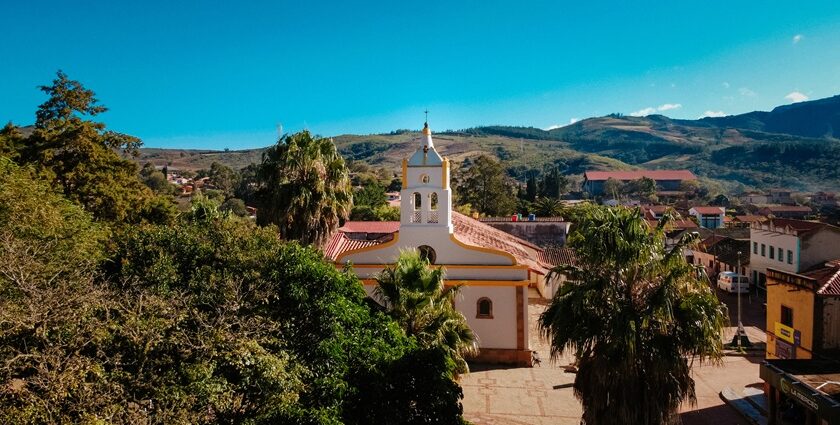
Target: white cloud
column 642, row 112
column 669, row 106
column 713, row 114
column 796, row 97
column 797, row 38
column 746, row 92
column 725, row 85
column 651, row 110
column 555, row 126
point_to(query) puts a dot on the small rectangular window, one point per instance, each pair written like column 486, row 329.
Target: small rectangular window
column 763, row 247
column 790, row 257
column 787, row 316
column 772, row 252
column 755, row 247
column 781, row 254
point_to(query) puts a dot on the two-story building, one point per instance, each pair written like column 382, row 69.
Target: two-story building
column 803, row 312
column 790, row 246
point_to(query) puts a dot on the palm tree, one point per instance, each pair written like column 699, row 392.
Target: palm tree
column 548, row 207
column 636, row 315
column 414, row 295
column 304, row 188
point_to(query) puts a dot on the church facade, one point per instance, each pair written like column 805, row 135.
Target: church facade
column 495, row 268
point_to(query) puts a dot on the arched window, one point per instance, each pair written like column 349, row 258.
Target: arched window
column 484, row 308
column 427, row 253
column 417, row 201
column 433, row 201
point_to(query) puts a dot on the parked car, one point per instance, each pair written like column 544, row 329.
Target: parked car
column 732, row 282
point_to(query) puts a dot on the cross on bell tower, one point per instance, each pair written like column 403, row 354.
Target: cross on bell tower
column 426, row 196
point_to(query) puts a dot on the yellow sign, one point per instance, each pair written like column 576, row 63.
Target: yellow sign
column 785, row 333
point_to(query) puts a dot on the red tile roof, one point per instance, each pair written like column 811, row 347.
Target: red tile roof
column 467, row 230
column 709, row 210
column 524, row 219
column 370, row 227
column 827, row 277
column 787, row 208
column 339, row 243
column 635, row 175
column 800, row 226
column 750, row 218
column 556, row 256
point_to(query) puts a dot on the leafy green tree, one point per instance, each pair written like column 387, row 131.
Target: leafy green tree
column 553, row 184
column 367, row 213
column 81, row 157
column 11, row 141
column 531, row 187
column 644, row 188
column 414, row 294
column 636, row 315
column 246, row 188
column 486, row 187
column 304, row 188
column 223, row 178
column 613, row 188
column 155, row 180
column 372, row 195
column 234, row 206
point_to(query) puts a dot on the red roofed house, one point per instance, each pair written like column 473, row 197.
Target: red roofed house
column 494, row 268
column 786, row 211
column 666, row 180
column 709, row 217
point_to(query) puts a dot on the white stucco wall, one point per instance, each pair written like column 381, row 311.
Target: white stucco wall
column 500, row 331
column 777, row 240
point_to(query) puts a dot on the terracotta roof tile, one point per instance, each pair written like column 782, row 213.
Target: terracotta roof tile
column 827, row 277
column 708, row 210
column 556, row 256
column 635, row 175
column 370, row 227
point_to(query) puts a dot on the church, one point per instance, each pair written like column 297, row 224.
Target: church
column 495, row 268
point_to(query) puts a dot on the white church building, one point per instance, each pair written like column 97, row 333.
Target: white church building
column 495, row 268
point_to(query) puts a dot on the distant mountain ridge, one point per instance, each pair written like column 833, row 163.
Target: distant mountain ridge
column 792, row 146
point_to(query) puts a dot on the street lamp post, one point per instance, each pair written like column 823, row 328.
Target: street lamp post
column 740, row 325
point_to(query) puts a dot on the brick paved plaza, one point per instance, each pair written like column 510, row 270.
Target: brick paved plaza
column 543, row 395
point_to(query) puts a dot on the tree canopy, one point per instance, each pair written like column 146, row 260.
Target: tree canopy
column 485, row 186
column 304, row 188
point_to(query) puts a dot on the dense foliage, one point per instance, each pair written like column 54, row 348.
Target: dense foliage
column 304, row 188
column 112, row 311
column 636, row 316
column 485, row 186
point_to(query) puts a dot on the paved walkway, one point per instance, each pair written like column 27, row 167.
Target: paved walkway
column 543, row 395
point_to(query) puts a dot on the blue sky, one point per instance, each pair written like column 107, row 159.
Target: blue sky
column 227, row 74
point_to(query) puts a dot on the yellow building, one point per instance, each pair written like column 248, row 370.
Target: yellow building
column 803, row 312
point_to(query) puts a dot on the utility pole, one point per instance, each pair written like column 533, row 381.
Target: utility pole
column 740, row 325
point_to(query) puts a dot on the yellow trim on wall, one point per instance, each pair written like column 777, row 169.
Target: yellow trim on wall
column 445, row 174
column 482, row 249
column 468, row 282
column 405, row 173
column 368, row 248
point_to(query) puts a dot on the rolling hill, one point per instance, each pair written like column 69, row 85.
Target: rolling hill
column 791, row 146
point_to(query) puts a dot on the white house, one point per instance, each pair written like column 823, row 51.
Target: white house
column 496, row 269
column 709, row 217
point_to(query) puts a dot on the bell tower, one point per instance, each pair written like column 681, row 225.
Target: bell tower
column 426, row 196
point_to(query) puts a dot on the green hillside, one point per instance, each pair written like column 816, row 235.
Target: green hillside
column 736, row 157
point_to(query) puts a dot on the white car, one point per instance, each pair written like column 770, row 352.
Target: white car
column 732, row 282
